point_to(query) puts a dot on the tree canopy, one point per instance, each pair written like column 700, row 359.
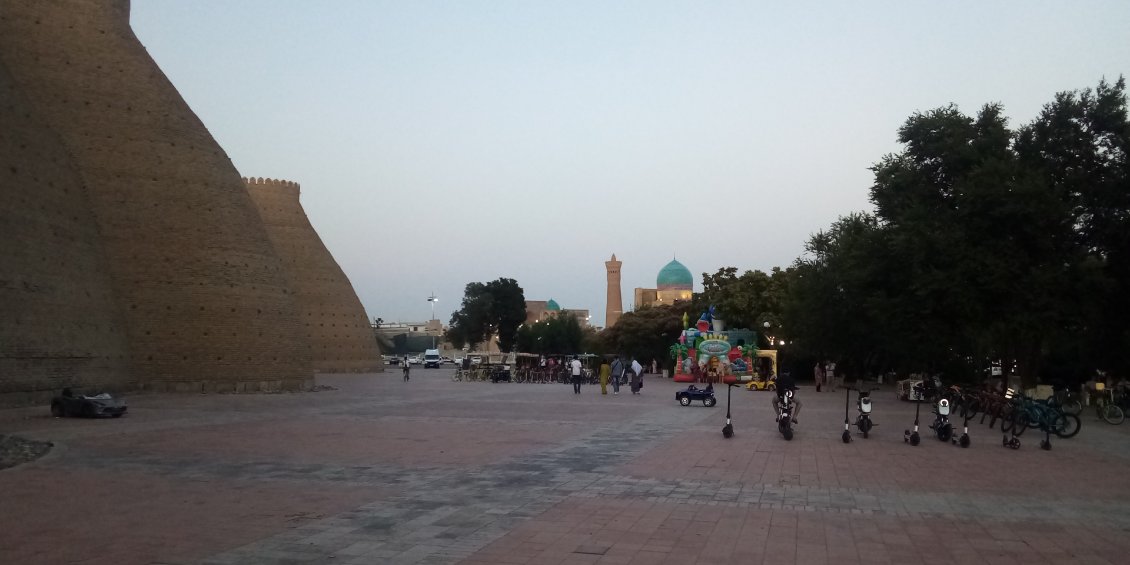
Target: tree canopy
column 986, row 243
column 495, row 307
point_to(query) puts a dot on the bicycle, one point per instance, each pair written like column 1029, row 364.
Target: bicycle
column 1108, row 412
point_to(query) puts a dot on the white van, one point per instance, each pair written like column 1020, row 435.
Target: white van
column 432, row 359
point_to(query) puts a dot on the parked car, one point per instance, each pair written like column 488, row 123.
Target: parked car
column 476, row 360
column 87, row 406
column 458, row 361
column 392, row 360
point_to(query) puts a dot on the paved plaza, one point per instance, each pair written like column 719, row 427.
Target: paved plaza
column 434, row 471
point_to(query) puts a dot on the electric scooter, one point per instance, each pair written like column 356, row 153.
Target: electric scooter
column 1014, row 441
column 941, row 425
column 963, row 441
column 728, row 429
column 846, row 436
column 912, row 437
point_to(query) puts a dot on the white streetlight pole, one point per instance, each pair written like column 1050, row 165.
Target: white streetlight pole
column 433, row 300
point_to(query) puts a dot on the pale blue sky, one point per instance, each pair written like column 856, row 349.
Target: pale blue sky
column 439, row 143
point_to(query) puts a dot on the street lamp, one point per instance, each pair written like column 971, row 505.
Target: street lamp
column 433, row 300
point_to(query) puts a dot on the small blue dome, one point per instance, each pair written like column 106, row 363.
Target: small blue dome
column 552, row 306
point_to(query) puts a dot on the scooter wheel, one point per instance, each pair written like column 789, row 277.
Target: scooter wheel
column 1045, row 445
column 964, row 441
column 846, row 436
column 915, row 439
column 788, row 433
column 728, row 431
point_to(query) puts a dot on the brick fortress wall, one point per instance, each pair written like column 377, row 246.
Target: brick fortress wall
column 60, row 326
column 341, row 339
column 202, row 293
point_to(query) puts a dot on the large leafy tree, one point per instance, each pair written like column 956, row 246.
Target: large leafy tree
column 748, row 300
column 560, row 333
column 497, row 306
column 648, row 332
column 986, row 243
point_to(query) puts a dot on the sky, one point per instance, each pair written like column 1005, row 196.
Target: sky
column 442, row 143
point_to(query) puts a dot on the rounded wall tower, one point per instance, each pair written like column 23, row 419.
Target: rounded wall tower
column 341, row 340
column 201, row 292
column 61, row 327
column 614, row 303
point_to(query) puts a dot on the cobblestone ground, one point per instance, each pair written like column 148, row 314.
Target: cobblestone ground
column 433, row 471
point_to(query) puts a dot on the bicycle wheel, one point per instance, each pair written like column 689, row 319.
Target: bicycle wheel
column 1067, row 425
column 970, row 407
column 1020, row 422
column 1112, row 414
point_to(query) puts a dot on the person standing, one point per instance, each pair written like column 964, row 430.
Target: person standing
column 830, row 375
column 575, row 370
column 406, row 368
column 818, row 374
column 637, row 376
column 605, row 371
column 617, row 374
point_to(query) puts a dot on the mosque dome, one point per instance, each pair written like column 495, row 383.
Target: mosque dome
column 674, row 276
column 552, row 306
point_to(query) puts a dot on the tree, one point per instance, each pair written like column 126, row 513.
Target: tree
column 646, row 333
column 560, row 333
column 498, row 306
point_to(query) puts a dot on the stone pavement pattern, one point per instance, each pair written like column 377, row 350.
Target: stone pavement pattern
column 432, row 471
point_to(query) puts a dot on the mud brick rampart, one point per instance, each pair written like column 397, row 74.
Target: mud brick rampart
column 201, row 294
column 59, row 325
column 340, row 338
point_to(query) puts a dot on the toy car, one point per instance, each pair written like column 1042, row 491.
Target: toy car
column 88, row 406
column 692, row 393
column 759, row 383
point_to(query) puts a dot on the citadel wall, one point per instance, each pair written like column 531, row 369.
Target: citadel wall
column 60, row 322
column 202, row 294
column 340, row 337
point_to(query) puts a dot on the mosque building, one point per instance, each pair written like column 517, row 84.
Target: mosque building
column 538, row 310
column 674, row 282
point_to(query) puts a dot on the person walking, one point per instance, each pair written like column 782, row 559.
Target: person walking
column 830, row 376
column 406, row 368
column 575, row 370
column 818, row 374
column 617, row 374
column 605, row 371
column 637, row 376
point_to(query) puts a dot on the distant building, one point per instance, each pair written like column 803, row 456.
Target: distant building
column 538, row 310
column 674, row 282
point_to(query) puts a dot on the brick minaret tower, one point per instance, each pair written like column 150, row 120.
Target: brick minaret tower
column 615, row 305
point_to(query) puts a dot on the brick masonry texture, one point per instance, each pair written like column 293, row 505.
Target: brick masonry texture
column 340, row 339
column 141, row 259
column 435, row 472
column 60, row 324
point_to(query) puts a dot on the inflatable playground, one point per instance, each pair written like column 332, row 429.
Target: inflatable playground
column 706, row 355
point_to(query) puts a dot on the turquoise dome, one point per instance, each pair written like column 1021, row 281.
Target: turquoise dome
column 552, row 306
column 674, row 275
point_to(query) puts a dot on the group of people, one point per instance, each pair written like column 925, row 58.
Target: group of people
column 825, row 375
column 617, row 372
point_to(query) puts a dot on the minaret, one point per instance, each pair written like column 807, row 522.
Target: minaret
column 615, row 305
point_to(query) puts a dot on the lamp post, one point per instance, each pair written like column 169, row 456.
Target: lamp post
column 433, row 300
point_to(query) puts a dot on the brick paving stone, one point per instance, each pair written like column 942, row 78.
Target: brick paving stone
column 433, row 472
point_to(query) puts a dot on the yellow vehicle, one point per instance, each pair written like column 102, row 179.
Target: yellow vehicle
column 759, row 383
